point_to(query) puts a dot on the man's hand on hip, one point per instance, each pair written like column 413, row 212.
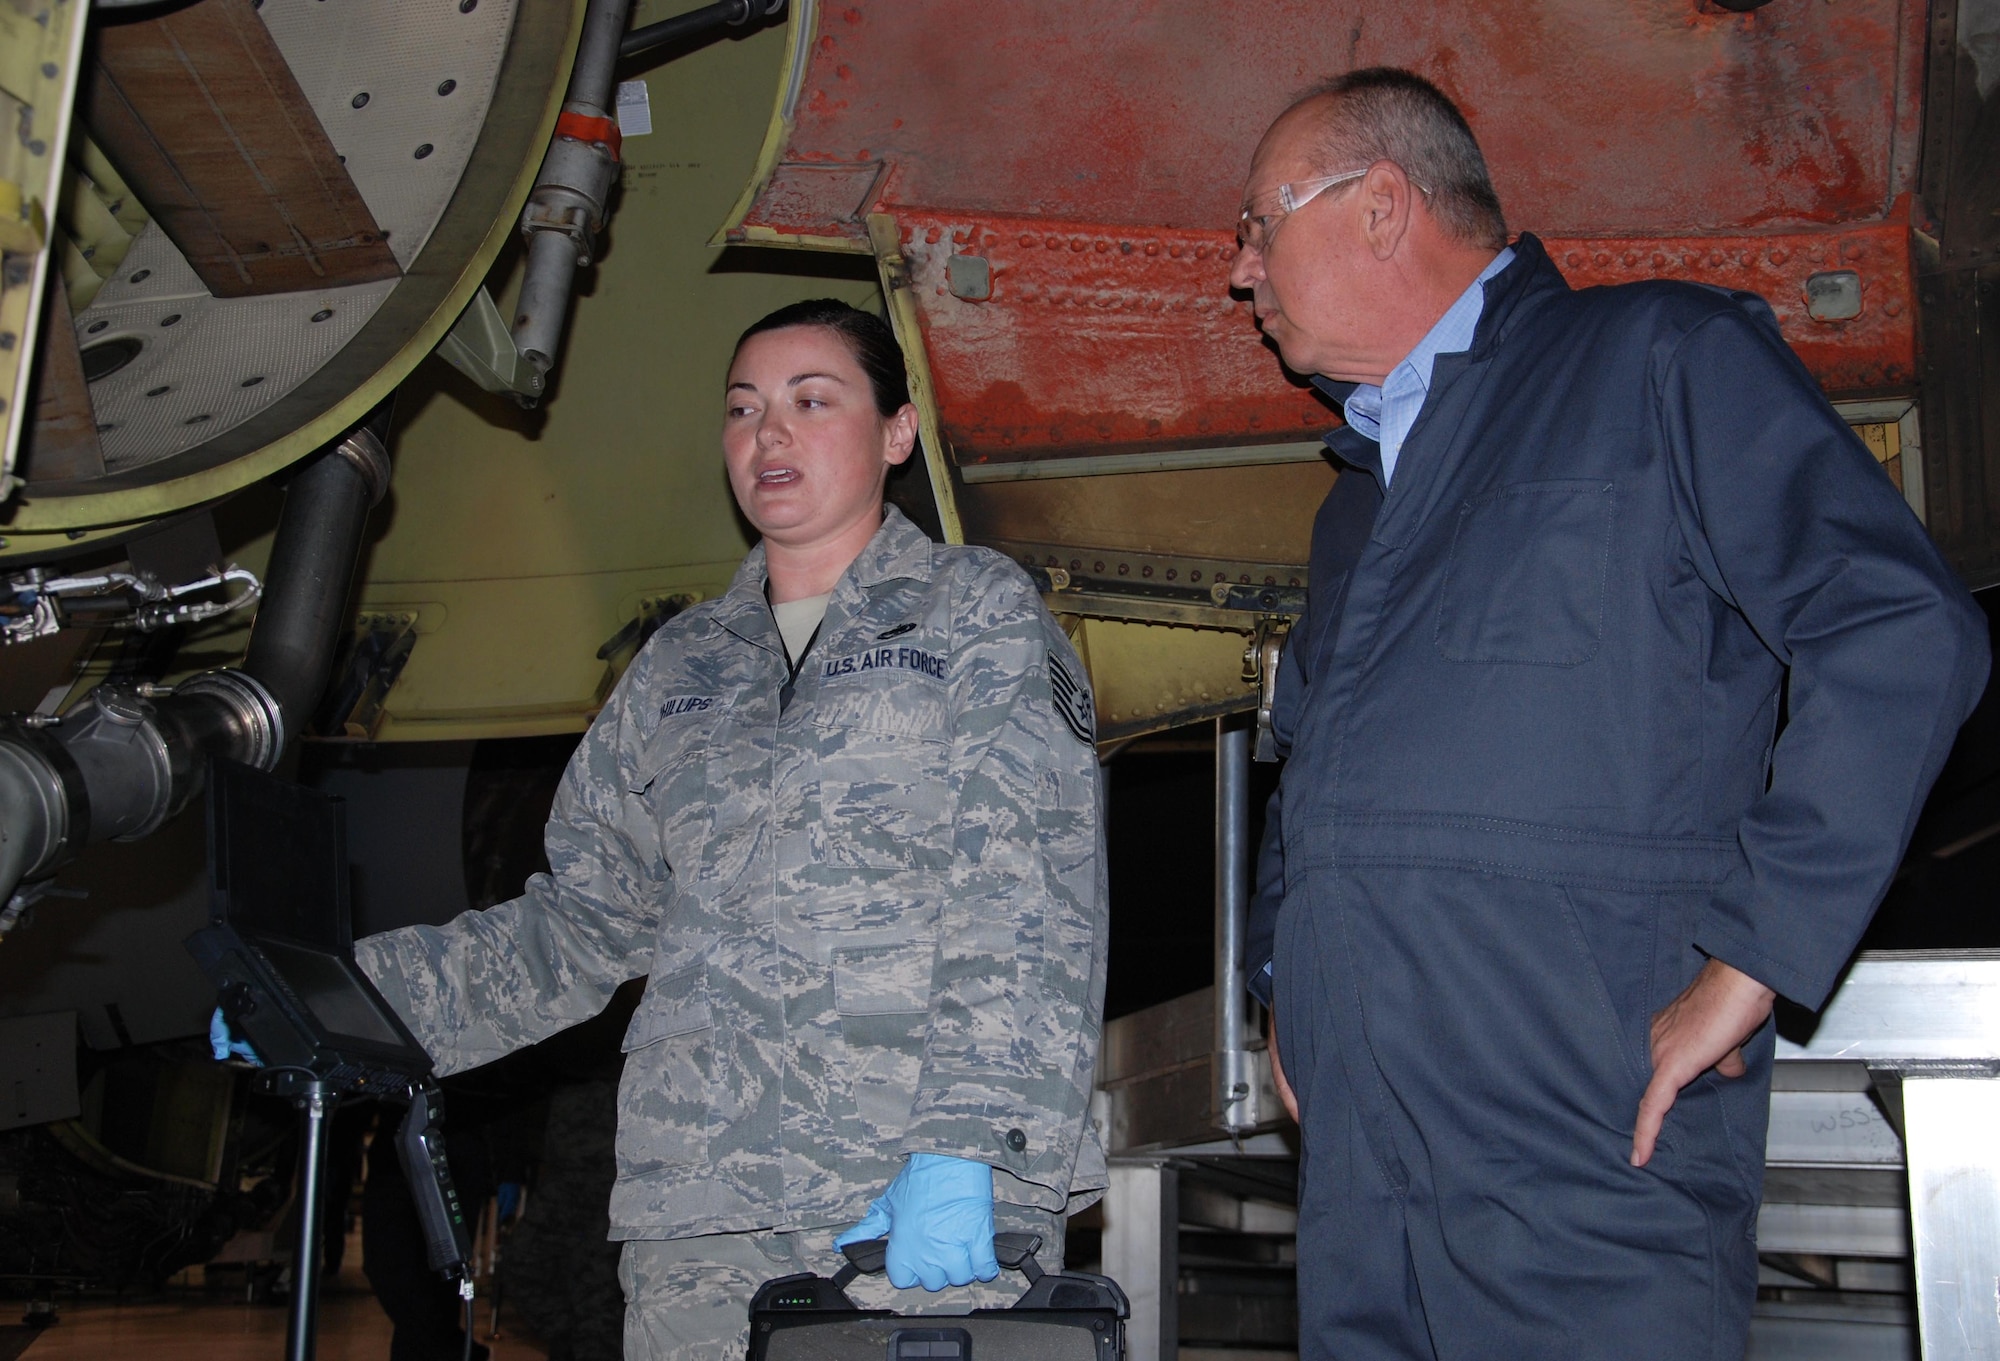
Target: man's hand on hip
column 1285, row 1093
column 1703, row 1028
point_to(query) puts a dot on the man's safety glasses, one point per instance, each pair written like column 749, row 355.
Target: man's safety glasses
column 1256, row 226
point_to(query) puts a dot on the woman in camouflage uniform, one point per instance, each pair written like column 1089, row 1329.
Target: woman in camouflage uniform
column 846, row 817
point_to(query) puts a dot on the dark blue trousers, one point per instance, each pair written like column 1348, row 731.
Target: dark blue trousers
column 1469, row 1051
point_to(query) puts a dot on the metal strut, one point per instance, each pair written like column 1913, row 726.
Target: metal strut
column 316, row 1101
column 1234, row 1098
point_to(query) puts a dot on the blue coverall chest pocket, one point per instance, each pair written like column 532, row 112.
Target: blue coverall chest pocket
column 1524, row 581
column 663, row 1096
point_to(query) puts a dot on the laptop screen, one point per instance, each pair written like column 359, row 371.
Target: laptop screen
column 329, row 992
column 279, row 855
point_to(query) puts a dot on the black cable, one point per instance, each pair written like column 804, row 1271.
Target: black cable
column 466, row 1355
column 697, row 23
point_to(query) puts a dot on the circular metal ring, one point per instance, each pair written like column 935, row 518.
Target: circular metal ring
column 258, row 718
column 370, row 458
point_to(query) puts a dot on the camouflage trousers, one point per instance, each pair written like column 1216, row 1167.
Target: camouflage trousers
column 688, row 1299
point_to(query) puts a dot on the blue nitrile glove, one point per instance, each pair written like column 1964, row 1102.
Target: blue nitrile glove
column 222, row 1042
column 508, row 1200
column 938, row 1217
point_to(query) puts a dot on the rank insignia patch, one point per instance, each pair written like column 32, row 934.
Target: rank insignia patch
column 1072, row 701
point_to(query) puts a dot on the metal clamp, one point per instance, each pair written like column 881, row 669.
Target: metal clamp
column 256, row 721
column 1260, row 665
column 592, row 130
column 364, row 449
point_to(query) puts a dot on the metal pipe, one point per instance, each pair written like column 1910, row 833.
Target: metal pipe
column 1235, row 1109
column 567, row 202
column 121, row 749
column 120, row 764
column 698, row 23
column 130, row 757
column 595, row 74
column 41, row 809
column 566, row 209
column 312, row 561
column 545, row 289
column 317, row 1101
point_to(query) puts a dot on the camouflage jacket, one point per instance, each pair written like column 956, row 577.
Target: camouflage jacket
column 873, row 917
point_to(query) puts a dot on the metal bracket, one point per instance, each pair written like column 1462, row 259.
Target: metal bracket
column 653, row 612
column 481, row 347
column 1260, row 664
column 356, row 701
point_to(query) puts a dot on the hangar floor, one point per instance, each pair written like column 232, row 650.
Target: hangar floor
column 193, row 1324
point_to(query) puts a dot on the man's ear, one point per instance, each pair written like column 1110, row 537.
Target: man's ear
column 902, row 435
column 1388, row 201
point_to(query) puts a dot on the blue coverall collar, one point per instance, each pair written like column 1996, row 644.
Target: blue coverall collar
column 1530, row 271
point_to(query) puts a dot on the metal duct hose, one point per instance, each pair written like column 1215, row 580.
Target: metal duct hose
column 312, row 561
column 41, row 808
column 141, row 756
column 131, row 756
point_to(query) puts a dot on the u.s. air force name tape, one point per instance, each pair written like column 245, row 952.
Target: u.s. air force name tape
column 886, row 658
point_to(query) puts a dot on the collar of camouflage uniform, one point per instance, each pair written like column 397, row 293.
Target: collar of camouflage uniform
column 898, row 550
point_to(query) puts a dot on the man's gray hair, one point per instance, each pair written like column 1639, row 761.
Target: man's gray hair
column 1383, row 113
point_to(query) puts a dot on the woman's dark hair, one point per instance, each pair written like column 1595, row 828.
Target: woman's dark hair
column 868, row 338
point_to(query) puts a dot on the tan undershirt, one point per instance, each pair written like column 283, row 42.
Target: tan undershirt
column 797, row 620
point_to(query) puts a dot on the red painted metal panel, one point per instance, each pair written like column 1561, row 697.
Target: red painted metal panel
column 1873, row 351
column 1635, row 117
column 1095, row 340
column 1093, row 156
column 1101, row 339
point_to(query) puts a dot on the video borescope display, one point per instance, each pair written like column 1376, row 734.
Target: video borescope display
column 332, row 996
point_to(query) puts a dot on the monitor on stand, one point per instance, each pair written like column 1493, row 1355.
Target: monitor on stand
column 279, row 948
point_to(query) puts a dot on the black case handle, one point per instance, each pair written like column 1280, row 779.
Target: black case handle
column 1015, row 1252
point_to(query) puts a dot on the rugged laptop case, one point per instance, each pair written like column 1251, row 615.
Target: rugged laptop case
column 1064, row 1316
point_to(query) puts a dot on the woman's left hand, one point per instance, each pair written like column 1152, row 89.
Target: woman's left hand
column 938, row 1217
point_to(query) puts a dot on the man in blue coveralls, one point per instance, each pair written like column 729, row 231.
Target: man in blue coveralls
column 1547, row 846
